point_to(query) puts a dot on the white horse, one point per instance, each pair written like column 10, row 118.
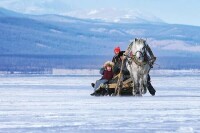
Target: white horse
column 138, row 66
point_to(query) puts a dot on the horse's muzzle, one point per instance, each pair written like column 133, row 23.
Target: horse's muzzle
column 139, row 56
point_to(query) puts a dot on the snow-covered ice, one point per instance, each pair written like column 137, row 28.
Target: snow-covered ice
column 55, row 104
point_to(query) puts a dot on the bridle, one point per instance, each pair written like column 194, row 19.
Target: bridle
column 139, row 52
column 132, row 57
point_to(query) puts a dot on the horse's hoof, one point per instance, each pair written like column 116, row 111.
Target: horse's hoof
column 144, row 91
column 138, row 94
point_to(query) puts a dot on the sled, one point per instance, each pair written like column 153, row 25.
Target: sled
column 118, row 89
column 117, row 86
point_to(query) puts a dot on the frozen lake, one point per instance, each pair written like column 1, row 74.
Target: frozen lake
column 55, row 104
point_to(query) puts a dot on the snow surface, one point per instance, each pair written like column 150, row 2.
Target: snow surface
column 159, row 72
column 54, row 104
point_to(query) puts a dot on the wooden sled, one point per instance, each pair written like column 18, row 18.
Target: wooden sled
column 124, row 89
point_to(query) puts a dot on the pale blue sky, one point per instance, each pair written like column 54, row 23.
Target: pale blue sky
column 171, row 11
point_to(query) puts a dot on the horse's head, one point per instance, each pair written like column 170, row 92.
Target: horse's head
column 138, row 49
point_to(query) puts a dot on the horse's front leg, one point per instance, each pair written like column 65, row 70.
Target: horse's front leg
column 143, row 83
column 141, row 87
column 136, row 90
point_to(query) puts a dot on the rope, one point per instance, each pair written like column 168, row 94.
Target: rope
column 117, row 89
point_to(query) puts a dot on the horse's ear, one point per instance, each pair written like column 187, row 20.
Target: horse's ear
column 145, row 40
column 136, row 39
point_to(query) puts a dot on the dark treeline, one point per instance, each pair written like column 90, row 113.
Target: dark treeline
column 45, row 63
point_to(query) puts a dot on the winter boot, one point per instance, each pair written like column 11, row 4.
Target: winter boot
column 93, row 84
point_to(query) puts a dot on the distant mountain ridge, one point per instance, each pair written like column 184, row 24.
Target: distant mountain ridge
column 115, row 15
column 8, row 13
column 62, row 35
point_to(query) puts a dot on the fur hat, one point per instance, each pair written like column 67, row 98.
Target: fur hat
column 108, row 63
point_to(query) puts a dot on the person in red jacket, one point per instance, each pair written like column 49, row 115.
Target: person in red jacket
column 107, row 73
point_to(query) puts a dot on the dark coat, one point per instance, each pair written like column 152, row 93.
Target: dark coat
column 115, row 59
column 117, row 68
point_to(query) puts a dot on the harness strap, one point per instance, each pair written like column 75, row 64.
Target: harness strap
column 131, row 56
column 137, row 62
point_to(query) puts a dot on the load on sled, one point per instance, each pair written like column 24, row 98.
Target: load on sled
column 128, row 73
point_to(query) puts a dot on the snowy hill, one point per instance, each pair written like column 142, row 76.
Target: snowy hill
column 51, row 40
column 54, row 34
column 8, row 13
column 115, row 15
